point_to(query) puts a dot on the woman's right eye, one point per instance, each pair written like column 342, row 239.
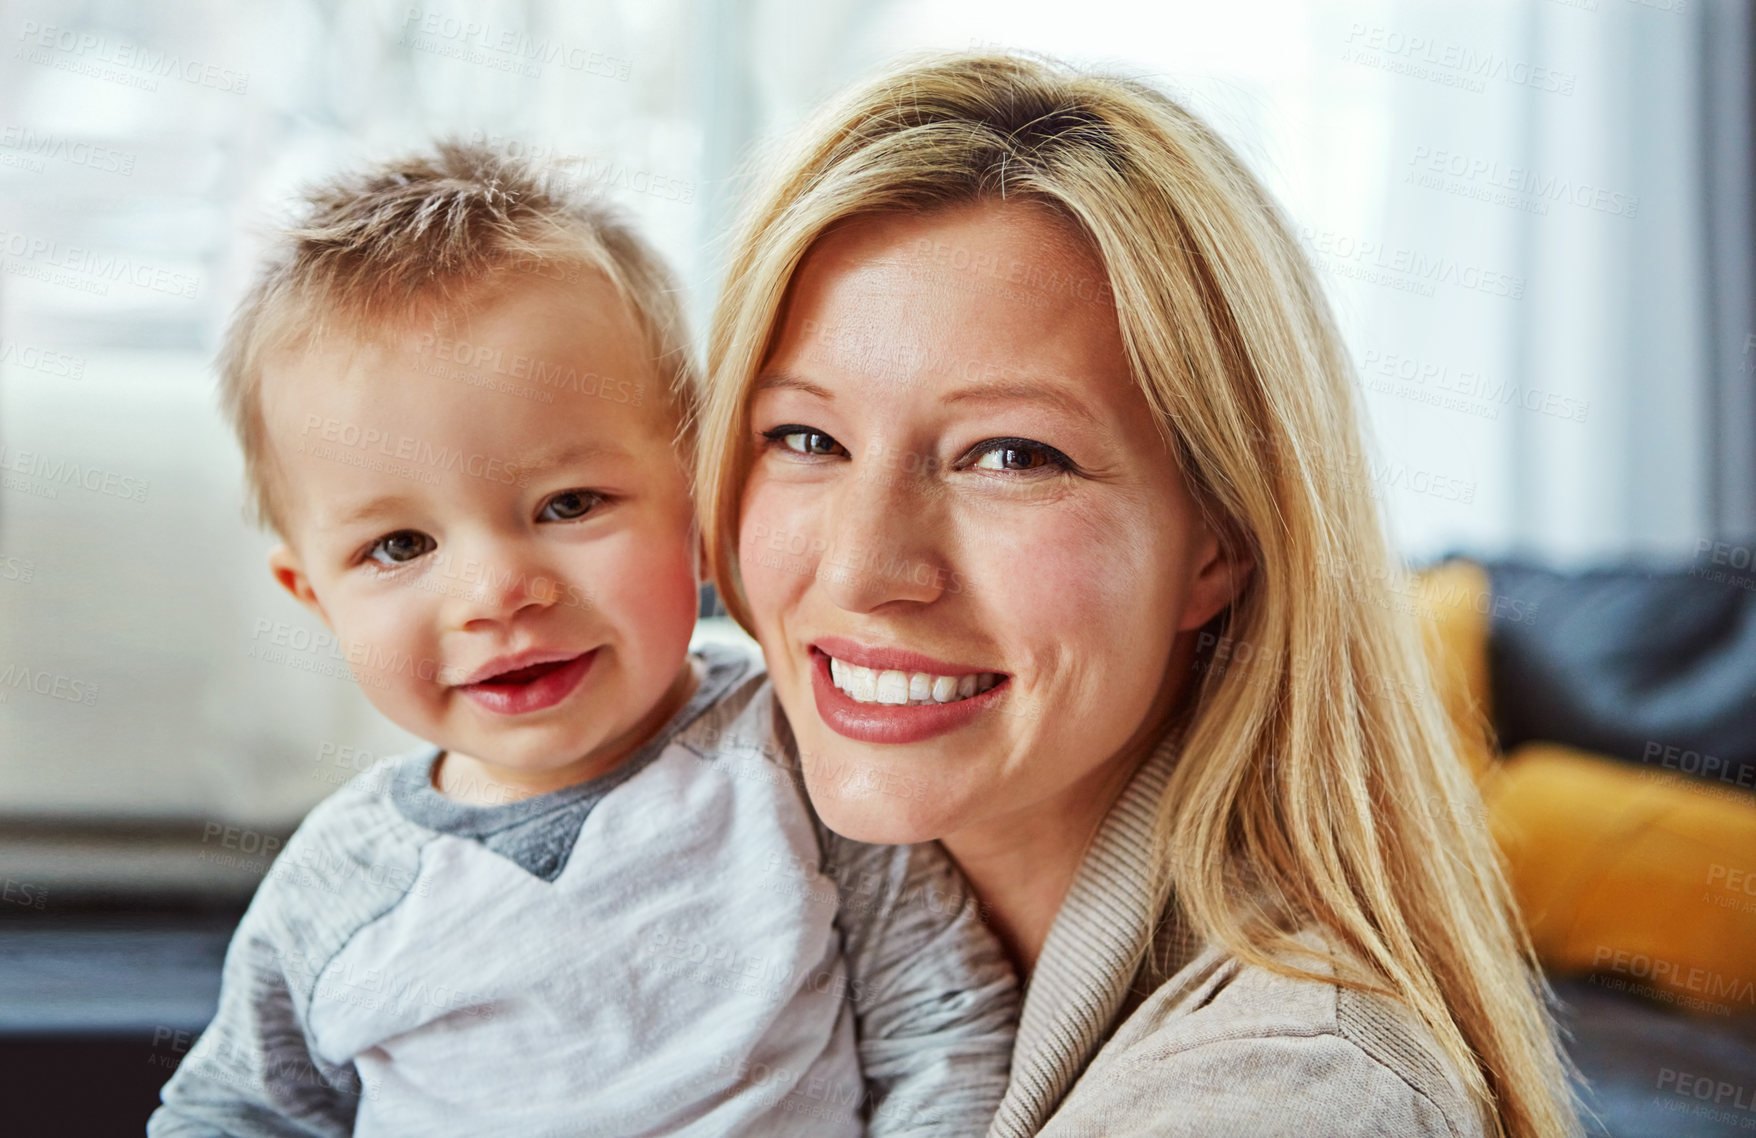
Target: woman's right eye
column 400, row 547
column 805, row 440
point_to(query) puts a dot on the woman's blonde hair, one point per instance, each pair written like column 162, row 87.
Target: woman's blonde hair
column 1323, row 777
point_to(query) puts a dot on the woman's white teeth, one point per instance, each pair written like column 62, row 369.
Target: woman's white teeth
column 869, row 685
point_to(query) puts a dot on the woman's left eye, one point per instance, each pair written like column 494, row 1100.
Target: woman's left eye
column 568, row 505
column 1019, row 455
column 806, row 441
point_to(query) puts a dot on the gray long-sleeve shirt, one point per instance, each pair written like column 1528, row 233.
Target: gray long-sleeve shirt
column 677, row 947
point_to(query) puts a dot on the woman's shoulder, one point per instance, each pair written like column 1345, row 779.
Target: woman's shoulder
column 1226, row 1048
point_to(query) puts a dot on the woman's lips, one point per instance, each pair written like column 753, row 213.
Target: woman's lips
column 872, row 722
column 534, row 687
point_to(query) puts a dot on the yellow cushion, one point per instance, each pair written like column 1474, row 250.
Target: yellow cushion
column 1453, row 600
column 1642, row 875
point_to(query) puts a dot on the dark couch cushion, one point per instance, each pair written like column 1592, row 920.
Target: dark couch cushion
column 1657, row 668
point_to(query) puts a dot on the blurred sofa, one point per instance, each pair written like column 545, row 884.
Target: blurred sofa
column 1610, row 720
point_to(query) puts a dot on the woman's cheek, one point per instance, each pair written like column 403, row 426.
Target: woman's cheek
column 1043, row 573
column 765, row 548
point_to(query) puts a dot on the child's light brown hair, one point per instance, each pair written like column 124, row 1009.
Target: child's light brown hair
column 374, row 249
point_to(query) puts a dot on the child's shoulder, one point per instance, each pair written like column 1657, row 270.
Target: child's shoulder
column 363, row 806
column 733, row 710
column 355, row 854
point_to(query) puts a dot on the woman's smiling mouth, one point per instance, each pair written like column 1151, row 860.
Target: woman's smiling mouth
column 881, row 695
column 902, row 689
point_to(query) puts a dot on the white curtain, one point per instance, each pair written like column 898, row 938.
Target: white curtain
column 1505, row 198
column 1439, row 155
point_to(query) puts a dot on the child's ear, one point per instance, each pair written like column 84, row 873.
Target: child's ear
column 289, row 571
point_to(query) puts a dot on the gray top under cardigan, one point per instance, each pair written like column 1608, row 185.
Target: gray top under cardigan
column 1220, row 1049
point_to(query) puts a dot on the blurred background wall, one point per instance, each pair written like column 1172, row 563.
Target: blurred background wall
column 1532, row 217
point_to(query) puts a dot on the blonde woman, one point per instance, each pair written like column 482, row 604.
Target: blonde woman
column 1029, row 457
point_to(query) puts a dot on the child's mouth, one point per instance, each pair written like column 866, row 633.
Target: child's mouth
column 529, row 687
column 525, row 675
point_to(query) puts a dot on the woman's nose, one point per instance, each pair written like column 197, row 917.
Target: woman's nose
column 881, row 533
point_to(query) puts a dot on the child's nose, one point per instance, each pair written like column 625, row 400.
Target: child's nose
column 504, row 582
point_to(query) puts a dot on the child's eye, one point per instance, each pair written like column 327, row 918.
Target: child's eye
column 568, row 505
column 401, row 547
column 1018, row 455
column 805, row 440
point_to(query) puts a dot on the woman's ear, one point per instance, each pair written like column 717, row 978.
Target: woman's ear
column 1222, row 568
column 700, row 540
column 289, row 572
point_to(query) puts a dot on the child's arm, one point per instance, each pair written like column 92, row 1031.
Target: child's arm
column 256, row 1070
column 252, row 1072
column 935, row 998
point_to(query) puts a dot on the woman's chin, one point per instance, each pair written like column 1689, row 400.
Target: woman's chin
column 866, row 812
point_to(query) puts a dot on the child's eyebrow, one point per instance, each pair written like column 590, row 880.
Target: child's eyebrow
column 367, row 510
column 571, row 453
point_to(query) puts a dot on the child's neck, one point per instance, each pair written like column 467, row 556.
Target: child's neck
column 479, row 782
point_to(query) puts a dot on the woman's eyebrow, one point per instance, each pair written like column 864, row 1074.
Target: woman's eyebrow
column 787, row 381
column 1023, row 390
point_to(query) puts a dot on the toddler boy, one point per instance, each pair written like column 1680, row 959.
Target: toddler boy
column 597, row 903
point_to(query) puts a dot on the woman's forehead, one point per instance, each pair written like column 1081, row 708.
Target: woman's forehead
column 986, row 237
column 987, row 287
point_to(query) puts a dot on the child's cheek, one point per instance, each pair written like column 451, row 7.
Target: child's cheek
column 389, row 654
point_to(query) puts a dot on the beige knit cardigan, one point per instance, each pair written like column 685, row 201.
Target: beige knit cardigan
column 1218, row 1049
